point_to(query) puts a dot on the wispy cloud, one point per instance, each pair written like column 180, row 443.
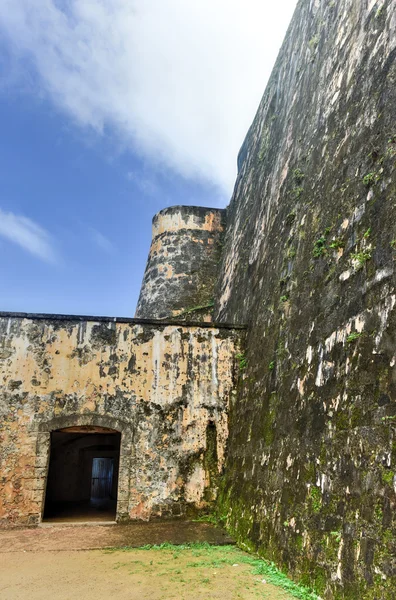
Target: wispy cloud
column 28, row 235
column 179, row 81
column 147, row 186
column 101, row 241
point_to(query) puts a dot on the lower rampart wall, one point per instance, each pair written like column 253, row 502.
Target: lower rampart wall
column 161, row 386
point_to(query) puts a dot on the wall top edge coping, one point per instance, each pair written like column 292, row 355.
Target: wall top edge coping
column 156, row 322
column 189, row 210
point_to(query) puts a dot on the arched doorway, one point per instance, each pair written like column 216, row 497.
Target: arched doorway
column 82, row 480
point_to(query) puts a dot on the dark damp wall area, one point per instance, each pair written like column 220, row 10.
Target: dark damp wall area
column 309, row 263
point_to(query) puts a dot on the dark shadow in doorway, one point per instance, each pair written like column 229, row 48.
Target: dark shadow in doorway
column 83, row 475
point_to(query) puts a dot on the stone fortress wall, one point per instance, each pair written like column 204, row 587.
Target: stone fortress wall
column 309, row 264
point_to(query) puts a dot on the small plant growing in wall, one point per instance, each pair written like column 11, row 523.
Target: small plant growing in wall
column 336, row 535
column 297, row 192
column 242, row 360
column 316, row 499
column 271, row 366
column 291, row 217
column 298, row 175
column 360, row 258
column 368, row 179
column 379, row 12
column 388, row 478
column 313, row 43
column 319, row 248
column 371, row 178
column 336, row 244
column 352, row 337
column 389, row 419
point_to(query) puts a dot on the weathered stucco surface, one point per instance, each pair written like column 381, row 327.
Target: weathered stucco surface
column 309, row 264
column 183, row 264
column 165, row 387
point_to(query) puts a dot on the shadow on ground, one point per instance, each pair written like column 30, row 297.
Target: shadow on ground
column 64, row 536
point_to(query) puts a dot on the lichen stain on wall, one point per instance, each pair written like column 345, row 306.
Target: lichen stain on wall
column 162, row 383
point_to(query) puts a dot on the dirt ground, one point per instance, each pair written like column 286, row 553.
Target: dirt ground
column 89, row 537
column 198, row 573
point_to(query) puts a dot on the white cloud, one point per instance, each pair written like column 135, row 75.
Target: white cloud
column 27, row 234
column 101, row 241
column 178, row 80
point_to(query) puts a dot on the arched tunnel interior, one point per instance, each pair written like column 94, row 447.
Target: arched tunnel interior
column 83, row 475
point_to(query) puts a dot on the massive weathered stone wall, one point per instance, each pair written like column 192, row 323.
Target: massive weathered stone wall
column 309, row 263
column 165, row 387
column 183, row 263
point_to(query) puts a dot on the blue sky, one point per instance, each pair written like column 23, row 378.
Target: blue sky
column 109, row 111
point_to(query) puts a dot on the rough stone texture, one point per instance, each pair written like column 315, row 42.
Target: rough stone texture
column 183, row 263
column 165, row 387
column 309, row 263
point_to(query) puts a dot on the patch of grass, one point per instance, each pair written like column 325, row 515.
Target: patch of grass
column 218, row 556
column 273, row 575
column 271, row 366
column 210, row 518
column 179, row 547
